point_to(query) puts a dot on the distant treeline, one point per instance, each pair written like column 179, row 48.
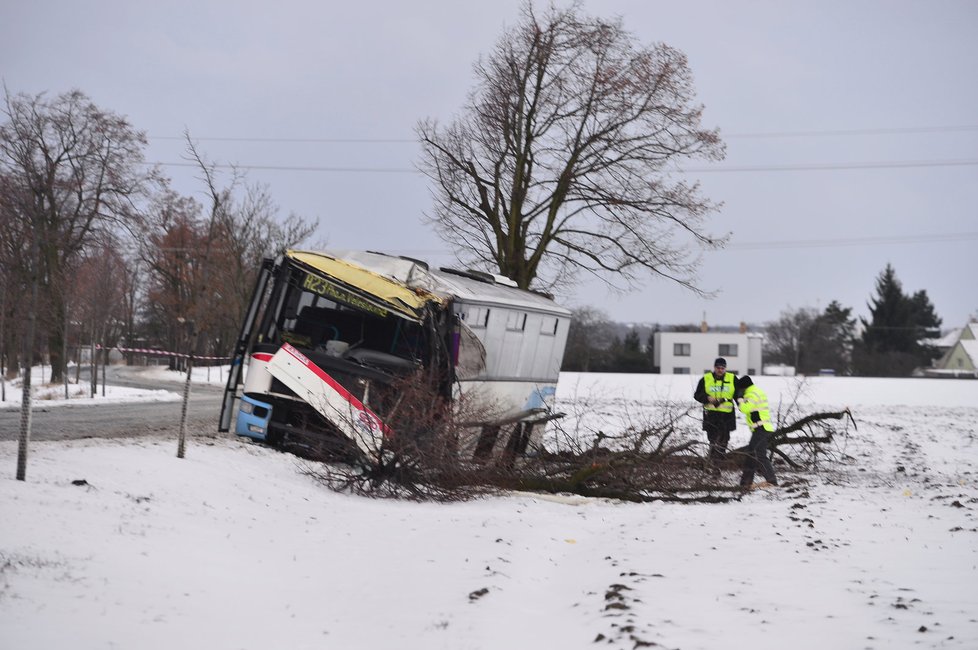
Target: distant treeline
column 893, row 342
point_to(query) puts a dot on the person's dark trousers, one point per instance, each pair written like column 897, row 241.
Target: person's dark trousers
column 719, row 438
column 758, row 459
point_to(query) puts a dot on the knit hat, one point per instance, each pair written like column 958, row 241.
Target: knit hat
column 720, row 361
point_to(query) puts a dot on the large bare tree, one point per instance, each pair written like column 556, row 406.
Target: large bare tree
column 14, row 280
column 193, row 258
column 564, row 159
column 201, row 269
column 69, row 170
column 72, row 169
column 249, row 230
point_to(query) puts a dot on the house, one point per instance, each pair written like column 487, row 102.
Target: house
column 693, row 353
column 961, row 357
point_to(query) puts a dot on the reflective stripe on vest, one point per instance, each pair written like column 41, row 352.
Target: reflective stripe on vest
column 720, row 390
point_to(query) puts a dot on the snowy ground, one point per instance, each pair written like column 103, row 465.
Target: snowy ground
column 119, row 544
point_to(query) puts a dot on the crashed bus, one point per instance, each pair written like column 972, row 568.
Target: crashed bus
column 327, row 335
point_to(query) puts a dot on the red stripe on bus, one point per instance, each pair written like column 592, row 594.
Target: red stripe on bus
column 335, row 385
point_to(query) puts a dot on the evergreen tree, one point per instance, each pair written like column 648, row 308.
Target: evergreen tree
column 610, row 362
column 832, row 336
column 928, row 325
column 650, row 349
column 924, row 316
column 892, row 341
column 630, row 357
column 889, row 330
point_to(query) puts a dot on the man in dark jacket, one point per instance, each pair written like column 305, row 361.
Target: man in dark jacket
column 715, row 391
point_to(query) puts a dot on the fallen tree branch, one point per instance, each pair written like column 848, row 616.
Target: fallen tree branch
column 814, row 417
column 783, row 456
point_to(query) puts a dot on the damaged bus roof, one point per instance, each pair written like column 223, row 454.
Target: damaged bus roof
column 406, row 286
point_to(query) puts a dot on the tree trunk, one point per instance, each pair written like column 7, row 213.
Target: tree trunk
column 3, row 344
column 56, row 342
column 93, row 363
column 64, row 351
column 105, row 362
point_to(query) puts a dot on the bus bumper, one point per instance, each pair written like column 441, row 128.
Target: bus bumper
column 253, row 418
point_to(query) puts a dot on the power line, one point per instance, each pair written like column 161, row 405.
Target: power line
column 930, row 238
column 760, row 134
column 291, row 140
column 847, row 132
column 898, row 164
column 927, row 238
column 297, row 168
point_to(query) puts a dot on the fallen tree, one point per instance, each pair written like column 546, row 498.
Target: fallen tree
column 658, row 455
column 815, row 435
column 669, row 472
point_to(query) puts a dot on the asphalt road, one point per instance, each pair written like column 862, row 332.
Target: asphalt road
column 121, row 420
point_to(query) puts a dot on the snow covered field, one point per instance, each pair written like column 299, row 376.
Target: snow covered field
column 119, row 544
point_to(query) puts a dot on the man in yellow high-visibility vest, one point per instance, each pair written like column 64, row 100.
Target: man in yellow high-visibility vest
column 715, row 391
column 753, row 404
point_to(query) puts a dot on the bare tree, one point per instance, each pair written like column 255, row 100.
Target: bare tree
column 232, row 236
column 14, row 280
column 588, row 340
column 69, row 169
column 133, row 284
column 100, row 301
column 172, row 249
column 564, row 159
column 248, row 230
column 788, row 337
column 810, row 341
column 72, row 170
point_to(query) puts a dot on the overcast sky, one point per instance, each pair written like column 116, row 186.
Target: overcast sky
column 851, row 125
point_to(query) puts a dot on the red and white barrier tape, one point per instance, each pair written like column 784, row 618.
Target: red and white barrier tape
column 165, row 353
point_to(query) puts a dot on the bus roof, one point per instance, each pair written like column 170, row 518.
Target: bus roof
column 402, row 281
column 398, row 297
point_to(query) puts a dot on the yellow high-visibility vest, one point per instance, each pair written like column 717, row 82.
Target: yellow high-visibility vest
column 723, row 389
column 755, row 399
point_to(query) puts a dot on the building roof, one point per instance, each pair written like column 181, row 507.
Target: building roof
column 967, row 342
column 970, row 331
column 945, row 341
column 971, row 349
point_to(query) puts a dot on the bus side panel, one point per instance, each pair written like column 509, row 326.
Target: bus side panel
column 511, row 406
